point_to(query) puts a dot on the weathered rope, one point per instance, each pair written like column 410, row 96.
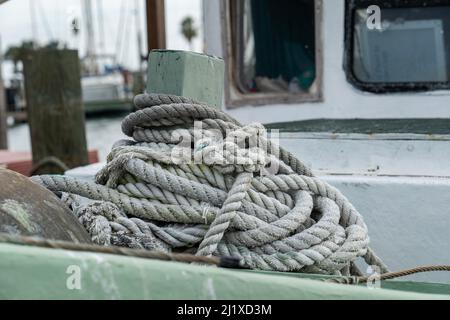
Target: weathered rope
column 54, row 161
column 195, row 180
column 390, row 275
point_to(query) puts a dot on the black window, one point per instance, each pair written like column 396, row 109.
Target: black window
column 274, row 45
column 409, row 50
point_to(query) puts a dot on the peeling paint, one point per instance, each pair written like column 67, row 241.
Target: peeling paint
column 146, row 292
column 209, row 289
column 20, row 213
column 103, row 274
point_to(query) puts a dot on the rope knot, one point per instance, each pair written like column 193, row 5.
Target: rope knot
column 243, row 150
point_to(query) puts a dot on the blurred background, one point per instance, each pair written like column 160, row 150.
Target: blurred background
column 112, row 40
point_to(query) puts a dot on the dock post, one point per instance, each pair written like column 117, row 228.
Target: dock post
column 55, row 109
column 156, row 24
column 182, row 73
column 3, row 124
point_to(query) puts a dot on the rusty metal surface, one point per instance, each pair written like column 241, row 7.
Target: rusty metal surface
column 29, row 209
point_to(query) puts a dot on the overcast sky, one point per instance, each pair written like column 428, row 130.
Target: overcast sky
column 53, row 19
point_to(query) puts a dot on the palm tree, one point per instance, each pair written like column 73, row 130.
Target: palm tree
column 189, row 30
column 17, row 53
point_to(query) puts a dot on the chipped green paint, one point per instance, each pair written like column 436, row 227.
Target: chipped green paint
column 20, row 213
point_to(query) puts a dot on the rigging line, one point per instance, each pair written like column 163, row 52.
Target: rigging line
column 89, row 27
column 101, row 27
column 125, row 43
column 59, row 21
column 120, row 30
column 47, row 28
column 34, row 28
column 137, row 20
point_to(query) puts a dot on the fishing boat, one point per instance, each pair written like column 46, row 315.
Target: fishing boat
column 106, row 85
column 107, row 92
column 344, row 93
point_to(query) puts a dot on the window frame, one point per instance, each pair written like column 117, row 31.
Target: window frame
column 234, row 97
column 384, row 87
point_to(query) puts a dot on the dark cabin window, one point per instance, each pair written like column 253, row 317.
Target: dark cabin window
column 274, row 45
column 411, row 50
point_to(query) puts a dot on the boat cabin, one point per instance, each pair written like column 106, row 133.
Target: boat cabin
column 359, row 90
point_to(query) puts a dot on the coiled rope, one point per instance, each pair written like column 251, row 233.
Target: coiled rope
column 244, row 197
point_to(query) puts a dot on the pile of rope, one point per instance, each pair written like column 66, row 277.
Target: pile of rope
column 194, row 180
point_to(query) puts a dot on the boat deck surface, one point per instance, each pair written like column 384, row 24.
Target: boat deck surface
column 39, row 273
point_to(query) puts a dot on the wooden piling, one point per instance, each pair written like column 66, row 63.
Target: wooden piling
column 55, row 109
column 156, row 24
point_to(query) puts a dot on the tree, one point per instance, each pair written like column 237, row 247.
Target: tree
column 189, row 30
column 17, row 53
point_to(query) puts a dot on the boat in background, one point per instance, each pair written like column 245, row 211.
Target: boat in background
column 110, row 91
column 106, row 85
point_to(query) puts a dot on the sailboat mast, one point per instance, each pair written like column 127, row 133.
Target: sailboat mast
column 137, row 20
column 101, row 27
column 34, row 29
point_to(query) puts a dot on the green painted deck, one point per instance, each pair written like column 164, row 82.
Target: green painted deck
column 37, row 273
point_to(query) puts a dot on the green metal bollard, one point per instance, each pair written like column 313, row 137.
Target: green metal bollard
column 182, row 73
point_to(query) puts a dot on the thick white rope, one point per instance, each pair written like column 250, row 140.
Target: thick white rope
column 222, row 189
